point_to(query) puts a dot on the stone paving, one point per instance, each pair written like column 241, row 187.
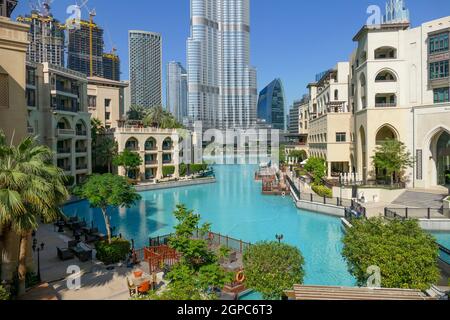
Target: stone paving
column 97, row 283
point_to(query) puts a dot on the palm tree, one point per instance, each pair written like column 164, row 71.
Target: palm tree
column 31, row 189
column 154, row 117
column 137, row 113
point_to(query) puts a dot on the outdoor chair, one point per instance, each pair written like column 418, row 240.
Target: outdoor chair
column 65, row 254
column 72, row 244
column 89, row 238
column 144, row 288
column 131, row 288
column 83, row 252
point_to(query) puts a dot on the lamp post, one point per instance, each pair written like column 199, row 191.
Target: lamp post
column 279, row 237
column 340, row 186
column 38, row 248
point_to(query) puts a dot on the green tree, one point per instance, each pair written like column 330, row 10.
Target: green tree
column 300, row 155
column 198, row 273
column 4, row 294
column 272, row 268
column 104, row 191
column 282, row 154
column 406, row 255
column 160, row 118
column 317, row 168
column 130, row 161
column 392, row 157
column 106, row 151
column 32, row 189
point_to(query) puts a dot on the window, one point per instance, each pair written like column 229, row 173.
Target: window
column 439, row 69
column 92, row 101
column 341, row 137
column 441, row 95
column 31, row 98
column 108, row 115
column 107, row 103
column 438, row 43
column 4, row 91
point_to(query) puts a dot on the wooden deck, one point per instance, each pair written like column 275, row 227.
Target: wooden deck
column 303, row 293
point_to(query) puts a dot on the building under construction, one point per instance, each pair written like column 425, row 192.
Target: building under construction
column 46, row 38
column 85, row 49
column 111, row 66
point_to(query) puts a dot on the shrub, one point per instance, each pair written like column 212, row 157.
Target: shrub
column 168, row 170
column 4, row 294
column 405, row 254
column 272, row 267
column 317, row 168
column 112, row 253
column 322, row 191
column 193, row 168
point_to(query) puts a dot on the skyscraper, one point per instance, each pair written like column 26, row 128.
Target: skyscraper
column 79, row 57
column 177, row 90
column 46, row 38
column 111, row 66
column 271, row 105
column 222, row 84
column 145, row 68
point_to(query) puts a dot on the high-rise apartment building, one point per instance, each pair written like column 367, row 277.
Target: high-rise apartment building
column 79, row 50
column 177, row 90
column 46, row 38
column 222, row 84
column 111, row 66
column 145, row 68
column 271, row 105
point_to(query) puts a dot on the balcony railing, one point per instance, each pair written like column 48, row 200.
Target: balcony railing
column 81, row 133
column 81, row 149
column 65, row 150
column 66, row 168
column 65, row 132
column 168, row 161
column 62, row 88
column 61, row 107
column 151, row 162
column 386, row 105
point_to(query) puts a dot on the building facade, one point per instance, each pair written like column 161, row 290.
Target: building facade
column 58, row 115
column 329, row 131
column 111, row 66
column 13, row 117
column 222, row 84
column 106, row 101
column 79, row 49
column 46, row 38
column 145, row 68
column 271, row 105
column 293, row 118
column 158, row 148
column 400, row 84
column 177, row 87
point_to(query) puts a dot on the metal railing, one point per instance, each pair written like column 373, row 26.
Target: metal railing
column 444, row 255
column 215, row 239
column 416, row 213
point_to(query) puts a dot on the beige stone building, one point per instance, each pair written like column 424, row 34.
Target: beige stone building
column 158, row 148
column 400, row 90
column 106, row 100
column 13, row 116
column 329, row 132
column 58, row 115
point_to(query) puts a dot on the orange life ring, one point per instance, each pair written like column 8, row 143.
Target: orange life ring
column 240, row 277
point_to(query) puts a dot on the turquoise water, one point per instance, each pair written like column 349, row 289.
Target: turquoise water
column 443, row 238
column 235, row 207
column 251, row 296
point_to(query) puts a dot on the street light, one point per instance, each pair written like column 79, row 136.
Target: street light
column 279, row 237
column 38, row 249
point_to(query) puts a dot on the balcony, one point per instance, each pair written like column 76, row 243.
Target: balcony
column 81, row 149
column 65, row 167
column 64, row 89
column 151, row 162
column 81, row 133
column 62, row 107
column 386, row 105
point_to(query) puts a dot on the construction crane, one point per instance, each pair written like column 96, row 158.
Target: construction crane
column 92, row 14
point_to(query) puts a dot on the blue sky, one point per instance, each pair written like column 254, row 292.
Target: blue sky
column 290, row 39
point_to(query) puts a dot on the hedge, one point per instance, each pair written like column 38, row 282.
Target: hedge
column 112, row 253
column 322, row 191
column 169, row 170
column 194, row 168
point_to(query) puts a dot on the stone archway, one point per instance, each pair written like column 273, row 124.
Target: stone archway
column 438, row 162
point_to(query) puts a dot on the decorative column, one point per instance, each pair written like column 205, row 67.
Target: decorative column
column 159, row 173
column 176, row 160
column 329, row 170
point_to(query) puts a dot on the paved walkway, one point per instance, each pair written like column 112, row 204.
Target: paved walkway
column 97, row 283
column 415, row 199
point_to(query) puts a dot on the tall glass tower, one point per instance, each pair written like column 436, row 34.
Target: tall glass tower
column 271, row 105
column 177, row 90
column 145, row 68
column 222, row 84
